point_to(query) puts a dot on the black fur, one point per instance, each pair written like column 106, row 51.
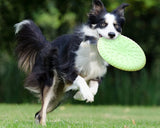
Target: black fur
column 30, row 43
column 119, row 13
column 66, row 54
column 97, row 13
column 92, row 39
column 48, row 58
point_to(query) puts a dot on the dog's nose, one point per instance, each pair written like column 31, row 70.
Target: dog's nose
column 111, row 34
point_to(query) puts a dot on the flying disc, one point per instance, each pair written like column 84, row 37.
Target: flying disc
column 122, row 53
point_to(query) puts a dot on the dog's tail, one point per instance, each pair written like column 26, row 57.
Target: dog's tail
column 30, row 43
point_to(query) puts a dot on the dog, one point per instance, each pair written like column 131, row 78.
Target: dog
column 70, row 62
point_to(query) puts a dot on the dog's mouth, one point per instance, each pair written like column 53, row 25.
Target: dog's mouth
column 111, row 38
column 100, row 35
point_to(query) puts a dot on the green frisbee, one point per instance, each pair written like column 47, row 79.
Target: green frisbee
column 122, row 53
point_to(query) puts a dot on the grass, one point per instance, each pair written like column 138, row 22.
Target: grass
column 78, row 116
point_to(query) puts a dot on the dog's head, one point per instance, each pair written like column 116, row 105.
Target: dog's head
column 108, row 25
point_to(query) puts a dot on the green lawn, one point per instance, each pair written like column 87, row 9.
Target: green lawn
column 77, row 116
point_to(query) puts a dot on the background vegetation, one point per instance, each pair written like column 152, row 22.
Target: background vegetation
column 56, row 17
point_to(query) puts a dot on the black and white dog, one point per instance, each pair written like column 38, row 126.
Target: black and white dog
column 70, row 62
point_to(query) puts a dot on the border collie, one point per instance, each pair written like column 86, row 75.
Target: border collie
column 70, row 62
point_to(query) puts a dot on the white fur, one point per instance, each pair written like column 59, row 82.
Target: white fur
column 33, row 89
column 89, row 31
column 110, row 20
column 45, row 105
column 81, row 85
column 18, row 26
column 78, row 96
column 88, row 62
column 93, row 85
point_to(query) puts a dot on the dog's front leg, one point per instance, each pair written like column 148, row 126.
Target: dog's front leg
column 93, row 86
column 84, row 91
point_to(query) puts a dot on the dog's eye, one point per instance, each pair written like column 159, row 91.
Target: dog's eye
column 118, row 28
column 115, row 25
column 103, row 24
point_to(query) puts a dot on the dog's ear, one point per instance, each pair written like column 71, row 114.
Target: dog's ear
column 120, row 9
column 97, row 7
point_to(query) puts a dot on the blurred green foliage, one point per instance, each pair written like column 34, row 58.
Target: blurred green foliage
column 61, row 16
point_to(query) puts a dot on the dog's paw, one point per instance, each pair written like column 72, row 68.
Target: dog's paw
column 93, row 86
column 39, row 119
column 43, row 122
column 84, row 90
column 78, row 96
column 87, row 95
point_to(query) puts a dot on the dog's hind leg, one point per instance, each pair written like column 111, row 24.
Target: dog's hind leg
column 58, row 98
column 47, row 95
column 53, row 105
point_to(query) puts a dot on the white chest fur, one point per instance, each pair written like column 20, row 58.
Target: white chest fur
column 89, row 63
